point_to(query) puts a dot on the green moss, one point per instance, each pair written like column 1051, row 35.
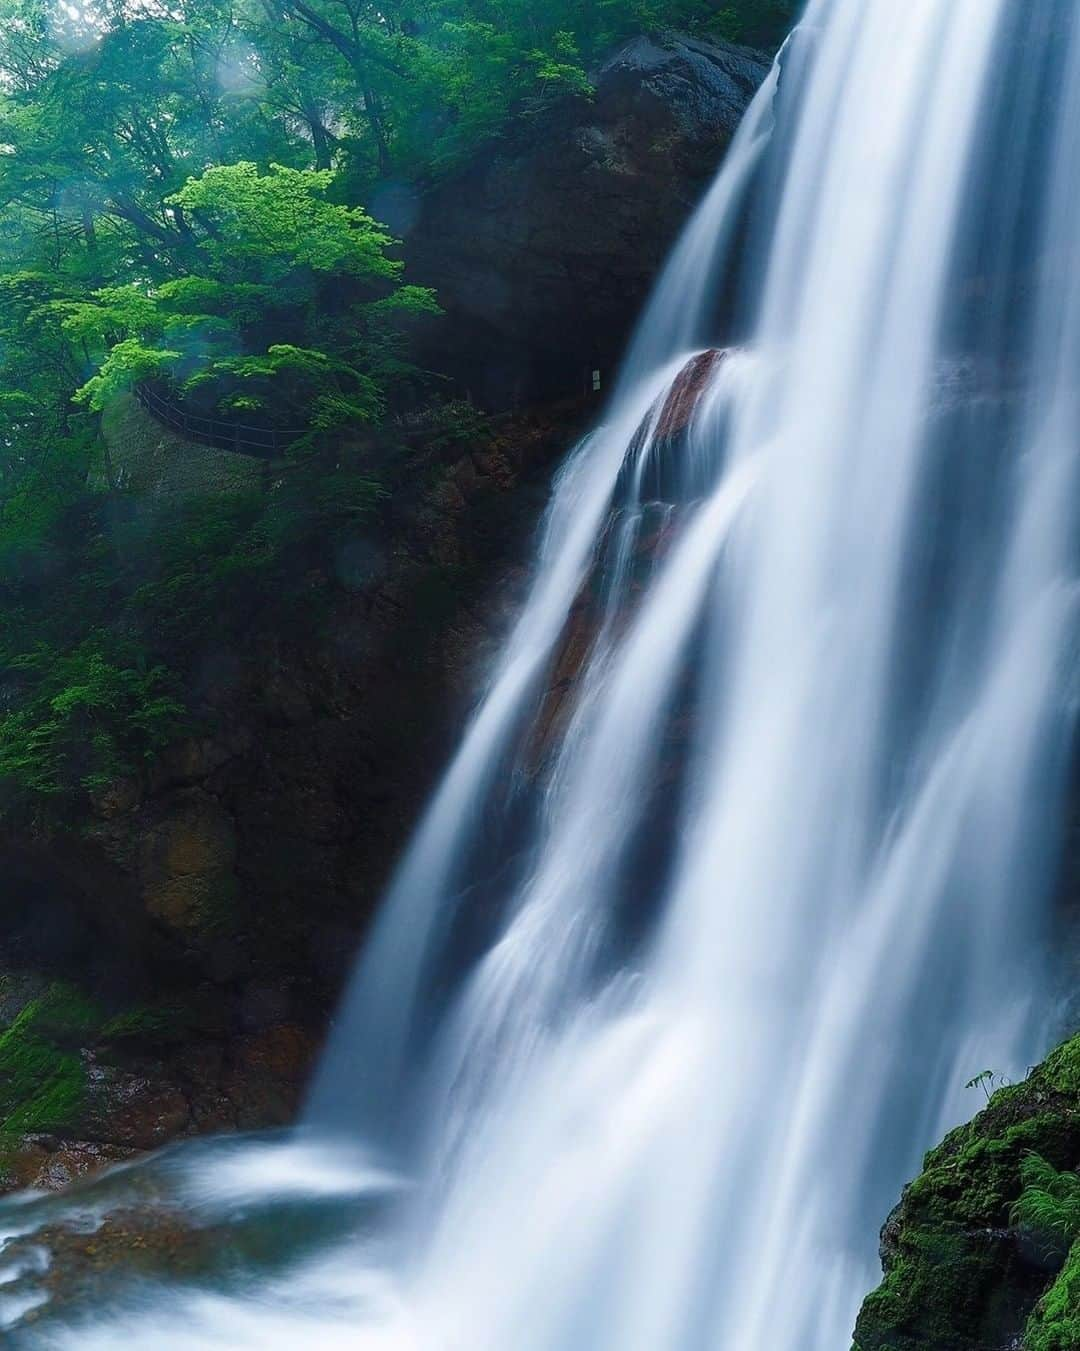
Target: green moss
column 47, row 1086
column 935, row 1295
column 1061, row 1070
column 954, row 1280
column 42, row 1077
column 62, row 1013
column 43, row 1081
column 149, row 1023
column 1055, row 1324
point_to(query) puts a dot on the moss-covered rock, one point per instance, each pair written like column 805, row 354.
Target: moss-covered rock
column 1055, row 1324
column 86, row 1082
column 42, row 1078
column 960, row 1274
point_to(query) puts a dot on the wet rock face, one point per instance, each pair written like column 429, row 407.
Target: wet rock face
column 187, row 865
column 650, row 507
column 545, row 250
column 687, row 392
column 660, row 464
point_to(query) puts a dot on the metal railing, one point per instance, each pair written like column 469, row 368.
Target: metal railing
column 264, row 443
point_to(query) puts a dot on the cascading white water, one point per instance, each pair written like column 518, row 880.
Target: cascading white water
column 705, row 931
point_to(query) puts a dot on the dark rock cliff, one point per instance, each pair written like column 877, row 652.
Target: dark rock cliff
column 169, row 959
column 545, row 250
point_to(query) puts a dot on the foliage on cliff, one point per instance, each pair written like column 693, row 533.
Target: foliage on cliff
column 982, row 1250
column 190, row 195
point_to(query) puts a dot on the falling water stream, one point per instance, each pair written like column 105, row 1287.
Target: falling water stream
column 744, row 865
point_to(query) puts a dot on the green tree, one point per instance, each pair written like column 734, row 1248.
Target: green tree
column 182, row 200
column 253, row 324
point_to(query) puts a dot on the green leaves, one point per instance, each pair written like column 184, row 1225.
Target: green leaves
column 112, row 310
column 1050, row 1202
column 182, row 194
column 307, row 385
column 90, row 720
column 266, row 227
column 988, row 1080
column 265, row 244
column 127, row 364
column 181, row 188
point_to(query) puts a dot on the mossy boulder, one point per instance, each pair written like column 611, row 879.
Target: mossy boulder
column 960, row 1274
column 86, row 1082
column 73, row 1070
column 42, row 1078
column 1055, row 1324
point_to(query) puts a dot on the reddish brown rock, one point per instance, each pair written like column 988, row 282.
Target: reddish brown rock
column 45, row 1163
column 680, row 403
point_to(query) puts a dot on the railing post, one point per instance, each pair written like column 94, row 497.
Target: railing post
column 261, row 442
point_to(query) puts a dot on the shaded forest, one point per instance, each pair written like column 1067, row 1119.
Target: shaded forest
column 190, row 201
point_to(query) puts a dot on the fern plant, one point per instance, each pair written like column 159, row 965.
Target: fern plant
column 1050, row 1201
column 1050, row 1207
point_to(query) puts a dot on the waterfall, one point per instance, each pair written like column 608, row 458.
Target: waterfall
column 744, row 865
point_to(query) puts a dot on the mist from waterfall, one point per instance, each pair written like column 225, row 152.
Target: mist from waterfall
column 744, row 865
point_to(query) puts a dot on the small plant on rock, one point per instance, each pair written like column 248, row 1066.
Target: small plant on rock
column 988, row 1081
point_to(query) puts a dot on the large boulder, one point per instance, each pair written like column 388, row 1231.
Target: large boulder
column 544, row 250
